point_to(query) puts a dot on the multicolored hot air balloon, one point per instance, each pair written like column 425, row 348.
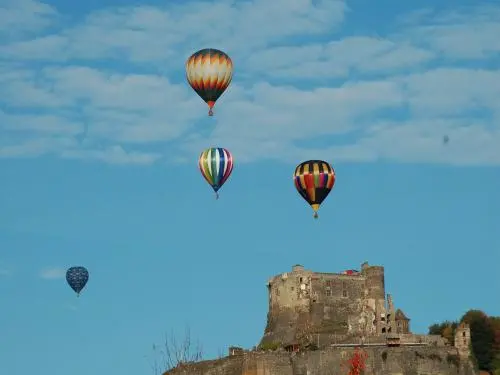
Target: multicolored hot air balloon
column 209, row 72
column 314, row 179
column 77, row 278
column 216, row 165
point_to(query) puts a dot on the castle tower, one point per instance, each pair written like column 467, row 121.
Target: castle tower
column 375, row 294
column 375, row 282
column 289, row 304
column 462, row 340
column 391, row 315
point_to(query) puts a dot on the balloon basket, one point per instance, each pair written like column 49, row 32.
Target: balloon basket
column 315, row 215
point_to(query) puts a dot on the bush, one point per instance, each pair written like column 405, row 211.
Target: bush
column 312, row 347
column 270, row 346
column 175, row 352
column 435, row 357
column 453, row 359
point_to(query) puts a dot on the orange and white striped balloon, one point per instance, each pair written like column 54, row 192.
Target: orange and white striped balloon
column 209, row 72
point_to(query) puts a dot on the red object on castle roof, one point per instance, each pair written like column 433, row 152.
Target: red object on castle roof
column 350, row 272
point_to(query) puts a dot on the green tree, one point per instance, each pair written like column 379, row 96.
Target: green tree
column 495, row 324
column 482, row 338
column 449, row 334
column 495, row 363
column 445, row 329
column 436, row 329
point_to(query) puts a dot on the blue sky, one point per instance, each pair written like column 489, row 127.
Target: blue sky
column 100, row 136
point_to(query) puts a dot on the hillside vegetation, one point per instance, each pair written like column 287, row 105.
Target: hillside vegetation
column 485, row 337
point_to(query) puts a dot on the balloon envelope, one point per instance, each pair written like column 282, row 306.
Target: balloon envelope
column 314, row 179
column 216, row 165
column 209, row 72
column 77, row 278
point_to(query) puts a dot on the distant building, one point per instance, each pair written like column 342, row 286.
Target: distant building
column 402, row 322
column 462, row 340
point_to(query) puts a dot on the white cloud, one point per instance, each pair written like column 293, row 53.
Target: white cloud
column 472, row 143
column 116, row 80
column 35, row 147
column 53, row 273
column 337, row 58
column 158, row 34
column 113, row 155
column 468, row 33
column 71, row 307
column 22, row 16
column 5, row 271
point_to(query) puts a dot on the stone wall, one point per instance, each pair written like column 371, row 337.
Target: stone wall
column 435, row 340
column 332, row 361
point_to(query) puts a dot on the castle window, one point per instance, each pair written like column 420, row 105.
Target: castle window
column 328, row 292
column 344, row 293
column 300, row 279
column 463, row 334
column 465, row 341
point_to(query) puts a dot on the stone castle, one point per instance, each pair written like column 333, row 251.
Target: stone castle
column 316, row 320
column 335, row 307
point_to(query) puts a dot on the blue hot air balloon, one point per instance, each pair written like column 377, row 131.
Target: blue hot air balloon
column 77, row 278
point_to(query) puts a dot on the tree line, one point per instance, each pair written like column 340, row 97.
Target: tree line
column 485, row 338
